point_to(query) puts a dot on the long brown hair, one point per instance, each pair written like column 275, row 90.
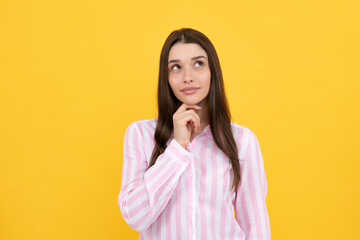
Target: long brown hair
column 219, row 114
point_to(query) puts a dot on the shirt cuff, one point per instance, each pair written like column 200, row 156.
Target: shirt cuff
column 180, row 154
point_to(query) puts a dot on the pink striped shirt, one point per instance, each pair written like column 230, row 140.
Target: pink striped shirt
column 187, row 193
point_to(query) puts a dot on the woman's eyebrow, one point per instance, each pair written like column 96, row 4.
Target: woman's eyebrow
column 194, row 58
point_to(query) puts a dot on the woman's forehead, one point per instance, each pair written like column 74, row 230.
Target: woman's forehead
column 185, row 51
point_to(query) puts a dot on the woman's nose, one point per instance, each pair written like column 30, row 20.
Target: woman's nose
column 188, row 76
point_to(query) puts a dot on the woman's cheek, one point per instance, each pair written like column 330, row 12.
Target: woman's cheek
column 173, row 84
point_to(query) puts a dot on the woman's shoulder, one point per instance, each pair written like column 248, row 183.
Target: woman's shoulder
column 142, row 122
column 143, row 126
column 239, row 129
column 242, row 135
column 242, row 130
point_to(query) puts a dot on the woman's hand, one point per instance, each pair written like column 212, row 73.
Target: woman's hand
column 185, row 121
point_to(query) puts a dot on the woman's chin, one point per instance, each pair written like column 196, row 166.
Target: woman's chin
column 191, row 102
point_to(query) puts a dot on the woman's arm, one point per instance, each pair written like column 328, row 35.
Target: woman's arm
column 250, row 206
column 144, row 194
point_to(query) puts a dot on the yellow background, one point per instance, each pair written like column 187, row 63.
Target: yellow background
column 74, row 74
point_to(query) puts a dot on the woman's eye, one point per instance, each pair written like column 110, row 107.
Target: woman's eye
column 175, row 67
column 199, row 63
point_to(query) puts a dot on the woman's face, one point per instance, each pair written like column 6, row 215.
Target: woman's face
column 189, row 73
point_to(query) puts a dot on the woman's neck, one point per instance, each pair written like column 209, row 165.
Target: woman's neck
column 203, row 114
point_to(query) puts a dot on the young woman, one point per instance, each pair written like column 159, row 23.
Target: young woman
column 191, row 173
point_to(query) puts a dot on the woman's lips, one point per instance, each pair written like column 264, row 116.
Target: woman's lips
column 189, row 91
